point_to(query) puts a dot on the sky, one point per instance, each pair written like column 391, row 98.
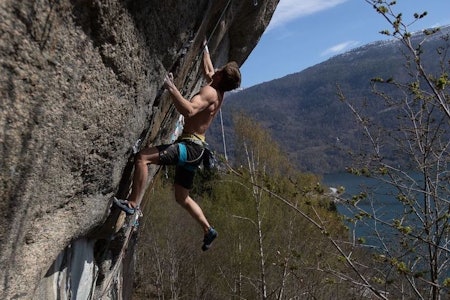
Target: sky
column 303, row 33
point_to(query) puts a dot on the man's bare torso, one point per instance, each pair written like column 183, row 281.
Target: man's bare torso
column 200, row 122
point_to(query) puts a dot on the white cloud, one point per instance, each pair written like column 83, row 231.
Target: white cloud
column 288, row 10
column 339, row 48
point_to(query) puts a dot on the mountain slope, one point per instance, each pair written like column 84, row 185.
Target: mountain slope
column 303, row 111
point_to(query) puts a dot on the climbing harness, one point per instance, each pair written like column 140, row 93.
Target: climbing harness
column 183, row 156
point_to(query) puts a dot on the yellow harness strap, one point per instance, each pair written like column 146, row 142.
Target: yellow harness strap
column 193, row 136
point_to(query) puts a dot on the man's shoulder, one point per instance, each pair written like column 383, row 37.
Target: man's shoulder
column 208, row 88
column 209, row 91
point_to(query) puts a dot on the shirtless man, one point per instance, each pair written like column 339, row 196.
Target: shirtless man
column 186, row 153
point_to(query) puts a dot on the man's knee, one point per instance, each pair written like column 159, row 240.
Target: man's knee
column 139, row 158
column 180, row 200
column 181, row 195
column 139, row 161
column 146, row 156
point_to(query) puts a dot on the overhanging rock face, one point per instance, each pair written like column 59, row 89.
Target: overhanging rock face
column 80, row 86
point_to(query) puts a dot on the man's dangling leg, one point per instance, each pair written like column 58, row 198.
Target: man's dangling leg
column 183, row 198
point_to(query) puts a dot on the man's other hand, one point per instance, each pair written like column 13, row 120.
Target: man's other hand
column 168, row 82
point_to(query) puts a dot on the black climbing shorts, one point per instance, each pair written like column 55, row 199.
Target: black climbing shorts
column 186, row 156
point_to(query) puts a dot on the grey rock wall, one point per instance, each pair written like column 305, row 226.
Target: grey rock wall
column 80, row 85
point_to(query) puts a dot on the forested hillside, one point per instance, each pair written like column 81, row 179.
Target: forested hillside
column 303, row 111
column 271, row 245
column 280, row 236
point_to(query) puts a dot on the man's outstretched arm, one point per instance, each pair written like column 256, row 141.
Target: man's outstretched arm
column 185, row 107
column 207, row 63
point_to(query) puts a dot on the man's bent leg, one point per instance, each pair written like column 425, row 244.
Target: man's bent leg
column 183, row 198
column 143, row 158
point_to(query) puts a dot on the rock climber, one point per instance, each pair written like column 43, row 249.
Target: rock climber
column 187, row 151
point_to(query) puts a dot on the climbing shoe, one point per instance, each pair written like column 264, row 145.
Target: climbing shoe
column 209, row 238
column 124, row 205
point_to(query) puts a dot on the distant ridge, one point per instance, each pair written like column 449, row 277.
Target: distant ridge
column 302, row 110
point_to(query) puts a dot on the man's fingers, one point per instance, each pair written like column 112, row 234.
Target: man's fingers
column 169, row 77
column 168, row 80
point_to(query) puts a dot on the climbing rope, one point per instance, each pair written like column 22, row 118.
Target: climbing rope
column 223, row 135
column 218, row 21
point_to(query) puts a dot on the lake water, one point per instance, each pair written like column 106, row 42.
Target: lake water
column 381, row 201
column 387, row 207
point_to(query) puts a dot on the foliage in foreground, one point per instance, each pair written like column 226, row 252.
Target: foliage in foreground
column 411, row 245
column 265, row 249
